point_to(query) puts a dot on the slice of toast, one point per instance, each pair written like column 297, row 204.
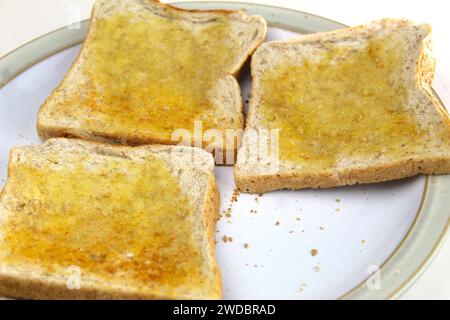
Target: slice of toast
column 350, row 106
column 147, row 70
column 84, row 220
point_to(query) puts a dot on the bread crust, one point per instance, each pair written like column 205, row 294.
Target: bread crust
column 369, row 174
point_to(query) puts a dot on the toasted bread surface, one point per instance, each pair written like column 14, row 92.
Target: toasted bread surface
column 351, row 106
column 83, row 220
column 147, row 69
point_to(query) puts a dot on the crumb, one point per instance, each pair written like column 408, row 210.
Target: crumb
column 245, row 245
column 337, row 209
column 302, row 287
column 226, row 239
column 260, row 195
column 363, row 241
column 314, row 252
column 255, row 265
column 234, row 197
column 256, row 200
column 217, row 231
column 321, row 228
column 253, row 211
column 277, row 223
column 246, row 100
column 298, row 219
column 291, row 231
column 228, row 213
column 303, row 231
column 337, row 200
column 317, row 268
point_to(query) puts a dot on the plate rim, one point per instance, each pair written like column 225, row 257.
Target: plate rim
column 15, row 62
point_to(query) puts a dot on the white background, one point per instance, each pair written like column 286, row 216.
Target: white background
column 24, row 20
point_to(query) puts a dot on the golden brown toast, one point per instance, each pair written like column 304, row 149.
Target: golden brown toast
column 147, row 69
column 84, row 220
column 351, row 106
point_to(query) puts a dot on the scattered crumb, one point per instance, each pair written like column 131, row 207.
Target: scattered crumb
column 321, row 228
column 253, row 211
column 260, row 195
column 303, row 231
column 317, row 268
column 302, row 287
column 255, row 265
column 363, row 241
column 337, row 200
column 277, row 223
column 245, row 245
column 337, row 209
column 298, row 219
column 314, row 252
column 226, row 239
column 235, row 195
column 291, row 231
column 227, row 212
column 257, row 200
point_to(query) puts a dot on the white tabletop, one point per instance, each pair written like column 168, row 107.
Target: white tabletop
column 24, row 20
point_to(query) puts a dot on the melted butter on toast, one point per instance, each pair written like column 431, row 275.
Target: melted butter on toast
column 345, row 102
column 154, row 74
column 109, row 217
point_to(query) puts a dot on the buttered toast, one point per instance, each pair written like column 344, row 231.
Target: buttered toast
column 147, row 69
column 343, row 107
column 84, row 220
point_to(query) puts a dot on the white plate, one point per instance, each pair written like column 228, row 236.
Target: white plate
column 355, row 230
